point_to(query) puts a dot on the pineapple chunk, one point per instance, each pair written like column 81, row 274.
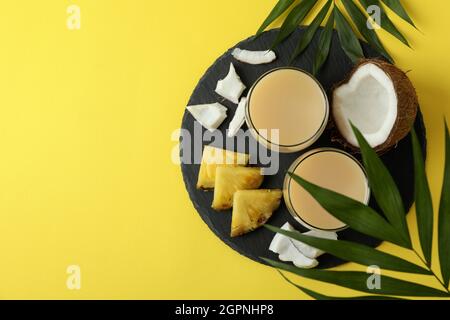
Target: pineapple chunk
column 213, row 158
column 231, row 179
column 252, row 209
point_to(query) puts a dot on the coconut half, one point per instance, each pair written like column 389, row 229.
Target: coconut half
column 380, row 100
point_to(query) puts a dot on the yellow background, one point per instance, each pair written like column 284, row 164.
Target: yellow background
column 86, row 118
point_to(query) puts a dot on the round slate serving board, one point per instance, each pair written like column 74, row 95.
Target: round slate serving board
column 255, row 244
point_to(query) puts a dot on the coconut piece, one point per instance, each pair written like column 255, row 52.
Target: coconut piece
column 312, row 252
column 289, row 253
column 254, row 57
column 231, row 87
column 301, row 254
column 209, row 116
column 238, row 119
column 380, row 100
column 305, row 249
column 287, row 250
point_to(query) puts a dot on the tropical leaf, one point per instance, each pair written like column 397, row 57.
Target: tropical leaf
column 353, row 213
column 444, row 215
column 276, row 12
column 396, row 6
column 360, row 22
column 311, row 30
column 358, row 281
column 349, row 42
column 385, row 22
column 319, row 296
column 347, row 36
column 295, row 17
column 424, row 204
column 356, row 215
column 355, row 252
column 324, row 44
column 384, row 188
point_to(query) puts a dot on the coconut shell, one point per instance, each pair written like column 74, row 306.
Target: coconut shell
column 408, row 106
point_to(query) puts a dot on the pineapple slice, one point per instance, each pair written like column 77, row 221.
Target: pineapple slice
column 213, row 158
column 252, row 209
column 231, row 179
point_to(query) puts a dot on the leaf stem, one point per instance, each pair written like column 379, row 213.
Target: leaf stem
column 431, row 270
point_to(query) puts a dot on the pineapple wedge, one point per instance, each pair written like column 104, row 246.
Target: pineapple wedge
column 213, row 158
column 231, row 179
column 252, row 209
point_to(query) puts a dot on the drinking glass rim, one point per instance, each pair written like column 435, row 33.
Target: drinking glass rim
column 320, row 129
column 294, row 166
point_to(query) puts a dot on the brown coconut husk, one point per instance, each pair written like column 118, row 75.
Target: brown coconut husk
column 408, row 106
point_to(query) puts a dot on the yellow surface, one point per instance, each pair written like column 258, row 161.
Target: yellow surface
column 86, row 119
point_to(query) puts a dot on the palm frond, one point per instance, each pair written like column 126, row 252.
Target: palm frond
column 311, row 30
column 347, row 35
column 444, row 215
column 319, row 296
column 384, row 21
column 367, row 221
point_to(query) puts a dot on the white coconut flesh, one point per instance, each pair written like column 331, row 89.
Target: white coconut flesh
column 369, row 101
column 231, row 87
column 238, row 119
column 254, row 57
column 312, row 252
column 299, row 253
column 210, row 116
column 284, row 247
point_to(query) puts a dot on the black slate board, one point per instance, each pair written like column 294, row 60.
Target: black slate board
column 255, row 245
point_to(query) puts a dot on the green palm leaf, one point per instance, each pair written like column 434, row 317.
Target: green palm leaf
column 360, row 21
column 355, row 252
column 324, row 44
column 347, row 36
column 358, row 281
column 311, row 30
column 444, row 215
column 384, row 188
column 277, row 11
column 353, row 213
column 349, row 42
column 424, row 204
column 295, row 17
column 319, row 296
column 396, row 6
column 385, row 22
